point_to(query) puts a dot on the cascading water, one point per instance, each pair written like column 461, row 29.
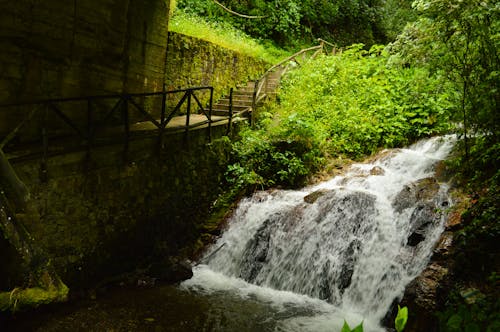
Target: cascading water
column 344, row 249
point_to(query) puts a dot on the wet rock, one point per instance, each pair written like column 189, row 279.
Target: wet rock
column 423, row 216
column 454, row 220
column 256, row 252
column 423, row 296
column 345, row 206
column 325, row 292
column 171, row 270
column 420, row 191
column 377, row 170
column 313, row 197
column 444, row 245
column 421, row 196
column 350, row 259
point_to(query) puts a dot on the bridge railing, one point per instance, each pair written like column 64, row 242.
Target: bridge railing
column 90, row 120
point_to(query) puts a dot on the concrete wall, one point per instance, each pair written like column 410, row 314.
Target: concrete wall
column 54, row 48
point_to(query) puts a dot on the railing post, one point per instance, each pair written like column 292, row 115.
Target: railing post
column 254, row 103
column 210, row 114
column 230, row 120
column 162, row 120
column 188, row 114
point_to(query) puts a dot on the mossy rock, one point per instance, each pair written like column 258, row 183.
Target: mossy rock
column 19, row 299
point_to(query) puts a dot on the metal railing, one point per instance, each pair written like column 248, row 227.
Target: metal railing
column 109, row 116
column 262, row 84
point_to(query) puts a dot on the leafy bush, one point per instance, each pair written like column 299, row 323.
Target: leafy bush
column 349, row 105
column 296, row 22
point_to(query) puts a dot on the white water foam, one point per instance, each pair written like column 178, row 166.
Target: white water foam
column 345, row 256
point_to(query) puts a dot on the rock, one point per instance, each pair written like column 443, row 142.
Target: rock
column 313, row 197
column 171, row 270
column 423, row 216
column 454, row 220
column 256, row 251
column 426, row 284
column 422, row 196
column 423, row 298
column 377, row 170
column 443, row 245
column 350, row 259
column 423, row 290
column 345, row 206
column 421, row 190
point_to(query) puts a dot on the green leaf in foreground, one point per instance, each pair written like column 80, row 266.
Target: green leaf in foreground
column 346, row 328
column 401, row 318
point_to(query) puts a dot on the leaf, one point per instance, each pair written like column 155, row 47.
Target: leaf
column 358, row 328
column 454, row 322
column 346, row 327
column 401, row 318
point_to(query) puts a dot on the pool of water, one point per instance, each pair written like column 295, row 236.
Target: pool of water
column 167, row 308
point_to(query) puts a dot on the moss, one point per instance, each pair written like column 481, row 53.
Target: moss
column 19, row 299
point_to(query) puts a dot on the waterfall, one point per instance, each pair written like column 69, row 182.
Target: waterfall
column 343, row 249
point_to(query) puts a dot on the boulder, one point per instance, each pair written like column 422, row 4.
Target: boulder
column 423, row 216
column 256, row 252
column 423, row 190
column 313, row 197
column 171, row 270
column 423, row 297
column 377, row 170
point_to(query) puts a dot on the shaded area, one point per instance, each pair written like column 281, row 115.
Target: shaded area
column 165, row 308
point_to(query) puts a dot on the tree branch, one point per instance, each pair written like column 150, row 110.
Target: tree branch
column 237, row 14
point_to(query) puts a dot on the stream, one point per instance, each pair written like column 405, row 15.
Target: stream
column 296, row 260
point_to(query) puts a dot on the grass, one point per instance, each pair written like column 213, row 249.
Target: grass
column 225, row 36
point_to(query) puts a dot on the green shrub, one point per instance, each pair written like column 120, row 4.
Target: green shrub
column 349, row 105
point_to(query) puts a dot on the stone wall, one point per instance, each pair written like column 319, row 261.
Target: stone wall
column 103, row 213
column 123, row 213
column 194, row 62
column 52, row 49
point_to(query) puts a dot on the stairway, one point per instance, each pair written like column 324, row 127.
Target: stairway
column 243, row 97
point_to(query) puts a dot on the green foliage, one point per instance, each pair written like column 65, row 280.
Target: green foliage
column 396, row 15
column 476, row 246
column 401, row 319
column 295, row 22
column 459, row 40
column 358, row 104
column 481, row 315
column 350, row 105
column 225, row 35
column 346, row 328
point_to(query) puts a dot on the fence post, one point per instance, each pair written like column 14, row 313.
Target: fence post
column 230, row 120
column 188, row 114
column 254, row 103
column 162, row 120
column 210, row 115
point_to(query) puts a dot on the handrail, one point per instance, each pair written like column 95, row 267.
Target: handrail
column 262, row 83
column 291, row 57
column 83, row 122
column 108, row 96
